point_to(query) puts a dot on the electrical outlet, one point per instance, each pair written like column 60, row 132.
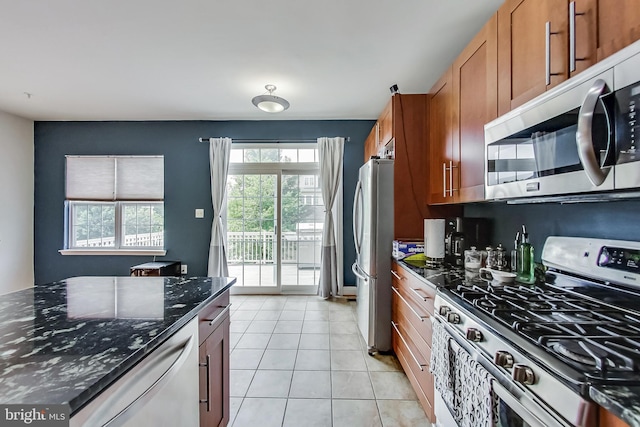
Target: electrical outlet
column 199, row 213
column 183, row 269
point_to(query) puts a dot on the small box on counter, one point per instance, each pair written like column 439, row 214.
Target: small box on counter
column 404, row 248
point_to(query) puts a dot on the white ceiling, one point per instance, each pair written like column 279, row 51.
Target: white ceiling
column 206, row 59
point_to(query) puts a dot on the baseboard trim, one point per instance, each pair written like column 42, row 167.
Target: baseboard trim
column 349, row 291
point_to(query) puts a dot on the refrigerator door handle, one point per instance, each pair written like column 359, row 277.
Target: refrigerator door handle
column 356, row 271
column 357, row 220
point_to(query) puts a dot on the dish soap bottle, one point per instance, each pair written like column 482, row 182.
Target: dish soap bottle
column 524, row 262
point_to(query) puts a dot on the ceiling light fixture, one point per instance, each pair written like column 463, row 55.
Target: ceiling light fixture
column 270, row 103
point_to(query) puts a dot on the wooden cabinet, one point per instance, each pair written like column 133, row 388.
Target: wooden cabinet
column 381, row 133
column 618, row 25
column 385, row 125
column 607, row 419
column 533, row 49
column 411, row 311
column 475, row 99
column 213, row 333
column 441, row 149
column 461, row 103
column 371, row 143
column 403, row 123
column 533, row 59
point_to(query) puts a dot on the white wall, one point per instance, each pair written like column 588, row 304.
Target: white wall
column 16, row 196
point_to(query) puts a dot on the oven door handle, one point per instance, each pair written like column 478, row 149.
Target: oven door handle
column 584, row 140
column 526, row 415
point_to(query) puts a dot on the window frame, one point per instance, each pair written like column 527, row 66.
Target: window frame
column 118, row 248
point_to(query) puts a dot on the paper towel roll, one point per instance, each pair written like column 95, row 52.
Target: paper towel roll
column 434, row 238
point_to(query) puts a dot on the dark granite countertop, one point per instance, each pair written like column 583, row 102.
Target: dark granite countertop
column 444, row 276
column 622, row 401
column 64, row 342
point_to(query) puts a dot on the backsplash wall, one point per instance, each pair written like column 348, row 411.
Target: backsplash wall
column 604, row 220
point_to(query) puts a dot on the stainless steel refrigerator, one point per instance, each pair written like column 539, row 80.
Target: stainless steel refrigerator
column 373, row 236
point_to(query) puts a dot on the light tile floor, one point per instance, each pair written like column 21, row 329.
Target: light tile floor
column 300, row 361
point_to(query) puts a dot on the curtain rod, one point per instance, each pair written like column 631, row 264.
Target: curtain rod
column 347, row 139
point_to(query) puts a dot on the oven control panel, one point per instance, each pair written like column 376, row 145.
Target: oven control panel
column 620, row 259
column 605, row 260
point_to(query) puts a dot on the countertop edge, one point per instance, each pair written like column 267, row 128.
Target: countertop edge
column 622, row 401
column 408, row 268
column 90, row 393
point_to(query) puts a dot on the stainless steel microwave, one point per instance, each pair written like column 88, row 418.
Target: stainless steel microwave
column 577, row 138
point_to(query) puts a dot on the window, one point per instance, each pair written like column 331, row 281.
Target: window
column 115, row 203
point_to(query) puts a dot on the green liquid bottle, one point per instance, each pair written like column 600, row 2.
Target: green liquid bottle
column 525, row 263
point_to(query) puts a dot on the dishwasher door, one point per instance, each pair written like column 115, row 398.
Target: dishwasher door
column 161, row 390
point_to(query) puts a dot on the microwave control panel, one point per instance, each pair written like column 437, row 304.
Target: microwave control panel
column 628, row 126
column 620, row 259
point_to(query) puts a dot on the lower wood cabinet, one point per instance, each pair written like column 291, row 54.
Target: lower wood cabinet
column 214, row 362
column 412, row 308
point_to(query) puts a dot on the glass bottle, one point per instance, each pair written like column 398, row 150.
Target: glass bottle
column 472, row 259
column 525, row 262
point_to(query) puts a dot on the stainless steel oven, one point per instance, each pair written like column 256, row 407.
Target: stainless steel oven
column 513, row 405
column 540, row 353
column 578, row 138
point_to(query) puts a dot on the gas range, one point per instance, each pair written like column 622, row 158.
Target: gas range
column 549, row 343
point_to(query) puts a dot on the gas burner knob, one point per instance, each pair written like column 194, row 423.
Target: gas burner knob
column 453, row 318
column 444, row 310
column 474, row 335
column 523, row 374
column 503, row 358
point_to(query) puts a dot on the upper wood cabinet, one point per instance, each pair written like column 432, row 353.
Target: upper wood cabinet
column 461, row 103
column 542, row 43
column 381, row 133
column 442, row 155
column 371, row 143
column 404, row 121
column 618, row 25
column 475, row 103
column 533, row 46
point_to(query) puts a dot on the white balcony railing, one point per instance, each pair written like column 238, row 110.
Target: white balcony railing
column 260, row 247
column 130, row 240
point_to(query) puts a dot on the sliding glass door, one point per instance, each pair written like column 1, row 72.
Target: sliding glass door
column 274, row 217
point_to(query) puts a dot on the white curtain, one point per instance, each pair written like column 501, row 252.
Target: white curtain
column 331, row 152
column 219, row 153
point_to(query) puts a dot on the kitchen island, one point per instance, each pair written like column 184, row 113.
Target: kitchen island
column 66, row 342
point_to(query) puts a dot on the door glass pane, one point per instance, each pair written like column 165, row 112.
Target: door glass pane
column 302, row 222
column 251, row 223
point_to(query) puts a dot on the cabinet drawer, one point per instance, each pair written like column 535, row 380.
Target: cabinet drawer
column 212, row 315
column 415, row 289
column 418, row 375
column 413, row 320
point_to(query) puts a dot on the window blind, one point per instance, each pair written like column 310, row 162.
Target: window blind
column 115, row 177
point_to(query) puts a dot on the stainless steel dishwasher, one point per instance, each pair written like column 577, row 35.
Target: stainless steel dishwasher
column 161, row 390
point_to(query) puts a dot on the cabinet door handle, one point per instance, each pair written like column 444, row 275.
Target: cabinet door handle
column 572, row 36
column 423, row 297
column 444, row 179
column 420, row 318
column 221, row 314
column 451, row 168
column 547, row 49
column 208, row 399
column 421, row 366
column 397, row 276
